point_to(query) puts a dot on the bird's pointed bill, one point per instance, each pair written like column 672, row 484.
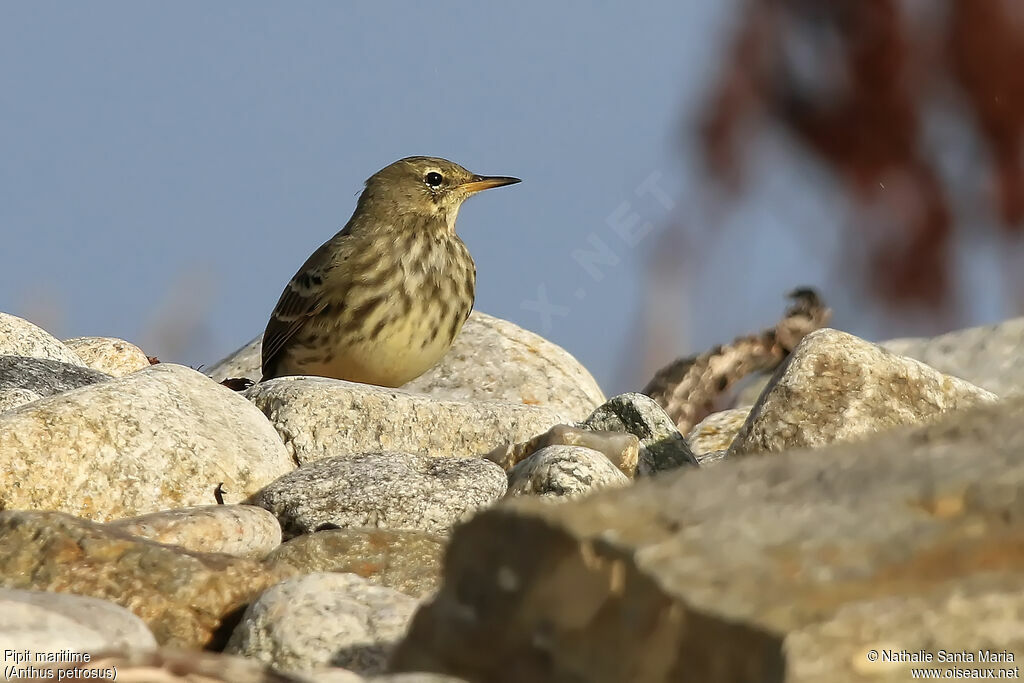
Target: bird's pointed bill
column 486, row 182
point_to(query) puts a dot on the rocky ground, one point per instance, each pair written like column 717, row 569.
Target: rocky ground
column 499, row 520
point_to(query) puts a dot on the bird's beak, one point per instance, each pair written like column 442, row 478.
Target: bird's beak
column 486, row 182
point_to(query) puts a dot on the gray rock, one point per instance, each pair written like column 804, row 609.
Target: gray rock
column 110, row 355
column 662, row 447
column 19, row 337
column 24, row 379
column 321, row 620
column 837, row 387
column 711, row 438
column 161, row 438
column 387, row 490
column 185, row 598
column 991, row 357
column 46, row 622
column 320, row 418
column 242, row 530
column 788, row 567
column 564, row 472
column 621, row 449
column 404, row 559
column 491, row 360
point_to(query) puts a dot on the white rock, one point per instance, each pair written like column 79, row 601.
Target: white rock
column 113, row 356
column 564, row 472
column 320, row 418
column 242, row 530
column 991, row 356
column 838, row 387
column 322, row 620
column 496, row 360
column 19, row 337
column 161, row 438
column 662, row 447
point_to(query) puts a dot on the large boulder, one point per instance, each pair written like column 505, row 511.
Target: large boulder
column 320, row 418
column 794, row 567
column 387, row 490
column 164, row 437
column 322, row 620
column 19, row 337
column 493, row 359
column 243, row 530
column 991, row 356
column 838, row 387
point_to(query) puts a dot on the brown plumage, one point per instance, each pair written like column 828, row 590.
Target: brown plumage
column 383, row 300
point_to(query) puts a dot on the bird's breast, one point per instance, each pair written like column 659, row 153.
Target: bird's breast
column 397, row 327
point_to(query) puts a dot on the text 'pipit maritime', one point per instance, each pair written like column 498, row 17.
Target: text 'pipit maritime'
column 383, row 300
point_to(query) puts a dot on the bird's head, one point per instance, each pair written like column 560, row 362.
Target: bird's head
column 425, row 186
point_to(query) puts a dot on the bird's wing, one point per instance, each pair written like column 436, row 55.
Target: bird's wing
column 306, row 295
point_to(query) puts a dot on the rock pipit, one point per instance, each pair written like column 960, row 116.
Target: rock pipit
column 383, row 300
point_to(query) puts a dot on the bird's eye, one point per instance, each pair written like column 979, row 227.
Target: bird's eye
column 433, row 179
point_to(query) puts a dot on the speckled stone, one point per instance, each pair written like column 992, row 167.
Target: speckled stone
column 662, row 447
column 161, row 438
column 242, row 530
column 621, row 449
column 991, row 356
column 837, row 387
column 783, row 568
column 12, row 398
column 387, row 490
column 321, row 620
column 564, row 472
column 320, row 418
column 113, row 356
column 19, row 337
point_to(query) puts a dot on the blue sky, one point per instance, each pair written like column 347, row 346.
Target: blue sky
column 167, row 167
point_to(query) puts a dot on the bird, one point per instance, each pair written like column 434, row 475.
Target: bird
column 383, row 300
